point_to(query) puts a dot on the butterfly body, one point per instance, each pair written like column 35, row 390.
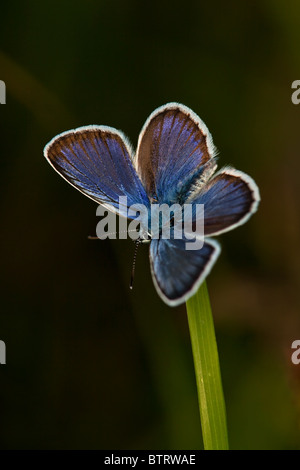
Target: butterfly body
column 174, row 165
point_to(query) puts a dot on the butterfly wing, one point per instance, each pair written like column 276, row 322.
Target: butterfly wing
column 229, row 198
column 96, row 160
column 177, row 273
column 174, row 149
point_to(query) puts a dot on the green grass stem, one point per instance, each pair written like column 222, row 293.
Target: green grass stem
column 207, row 370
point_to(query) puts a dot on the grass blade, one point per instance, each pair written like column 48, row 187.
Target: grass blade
column 207, row 369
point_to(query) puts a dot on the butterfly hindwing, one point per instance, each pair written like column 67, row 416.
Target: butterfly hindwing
column 229, row 198
column 177, row 273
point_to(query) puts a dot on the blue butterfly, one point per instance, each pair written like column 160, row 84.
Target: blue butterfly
column 175, row 162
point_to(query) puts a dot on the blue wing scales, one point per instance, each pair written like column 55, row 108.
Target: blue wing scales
column 175, row 148
column 230, row 198
column 97, row 162
column 177, row 273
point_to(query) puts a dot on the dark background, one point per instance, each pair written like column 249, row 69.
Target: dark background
column 91, row 364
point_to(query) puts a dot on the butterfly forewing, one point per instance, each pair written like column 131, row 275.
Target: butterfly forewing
column 96, row 160
column 174, row 149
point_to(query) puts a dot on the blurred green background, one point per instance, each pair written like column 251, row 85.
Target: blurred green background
column 91, row 364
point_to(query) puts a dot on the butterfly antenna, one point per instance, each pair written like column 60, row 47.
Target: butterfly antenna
column 137, row 244
column 91, row 237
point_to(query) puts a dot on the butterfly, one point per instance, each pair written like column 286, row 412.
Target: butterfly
column 175, row 162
